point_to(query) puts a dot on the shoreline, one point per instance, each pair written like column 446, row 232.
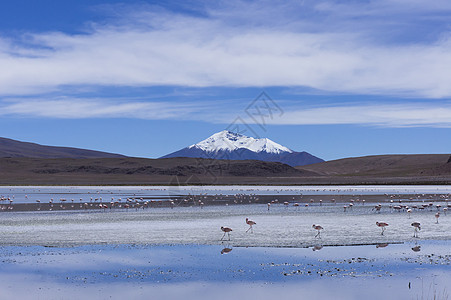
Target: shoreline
column 198, row 200
column 376, row 182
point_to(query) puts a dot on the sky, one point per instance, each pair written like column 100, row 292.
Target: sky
column 146, row 78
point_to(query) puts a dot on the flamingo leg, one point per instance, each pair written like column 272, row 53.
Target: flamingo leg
column 249, row 228
column 229, row 235
column 223, row 236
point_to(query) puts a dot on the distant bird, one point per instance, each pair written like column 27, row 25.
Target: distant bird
column 382, row 225
column 437, row 215
column 319, row 228
column 269, row 205
column 416, row 226
column 381, row 245
column 377, row 208
column 250, row 223
column 226, row 230
column 409, row 211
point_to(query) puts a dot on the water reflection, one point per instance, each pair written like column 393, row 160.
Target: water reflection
column 416, row 248
column 226, row 250
column 334, row 271
column 317, row 247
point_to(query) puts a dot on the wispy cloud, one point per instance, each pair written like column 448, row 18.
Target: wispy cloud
column 314, row 44
column 385, row 115
column 73, row 108
column 432, row 114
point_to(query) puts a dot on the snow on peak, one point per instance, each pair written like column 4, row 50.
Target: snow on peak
column 230, row 141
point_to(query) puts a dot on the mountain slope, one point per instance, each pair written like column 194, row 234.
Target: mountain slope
column 234, row 146
column 387, row 165
column 143, row 171
column 13, row 148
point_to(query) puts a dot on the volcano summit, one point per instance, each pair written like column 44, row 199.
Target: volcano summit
column 235, row 146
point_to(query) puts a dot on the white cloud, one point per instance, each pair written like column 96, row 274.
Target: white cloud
column 150, row 48
column 385, row 115
column 73, row 108
column 432, row 114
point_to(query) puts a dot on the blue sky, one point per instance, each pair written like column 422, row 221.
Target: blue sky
column 145, row 78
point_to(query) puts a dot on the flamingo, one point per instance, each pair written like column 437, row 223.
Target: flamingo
column 226, row 230
column 319, row 228
column 417, row 227
column 437, row 215
column 377, row 208
column 250, row 223
column 409, row 211
column 382, row 225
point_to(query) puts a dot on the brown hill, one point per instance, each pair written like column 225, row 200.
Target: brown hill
column 13, row 148
column 385, row 165
column 385, row 169
column 139, row 171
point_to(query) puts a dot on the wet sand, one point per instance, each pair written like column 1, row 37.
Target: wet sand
column 280, row 226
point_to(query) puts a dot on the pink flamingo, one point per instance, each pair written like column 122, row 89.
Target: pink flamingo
column 250, row 223
column 319, row 228
column 382, row 225
column 226, row 230
column 416, row 226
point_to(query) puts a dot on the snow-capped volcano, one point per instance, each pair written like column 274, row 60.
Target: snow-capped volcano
column 230, row 141
column 235, row 146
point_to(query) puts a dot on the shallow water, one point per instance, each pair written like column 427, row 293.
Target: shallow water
column 281, row 226
column 177, row 253
column 29, row 194
column 203, row 272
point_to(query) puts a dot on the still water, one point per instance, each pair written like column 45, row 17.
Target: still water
column 418, row 270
